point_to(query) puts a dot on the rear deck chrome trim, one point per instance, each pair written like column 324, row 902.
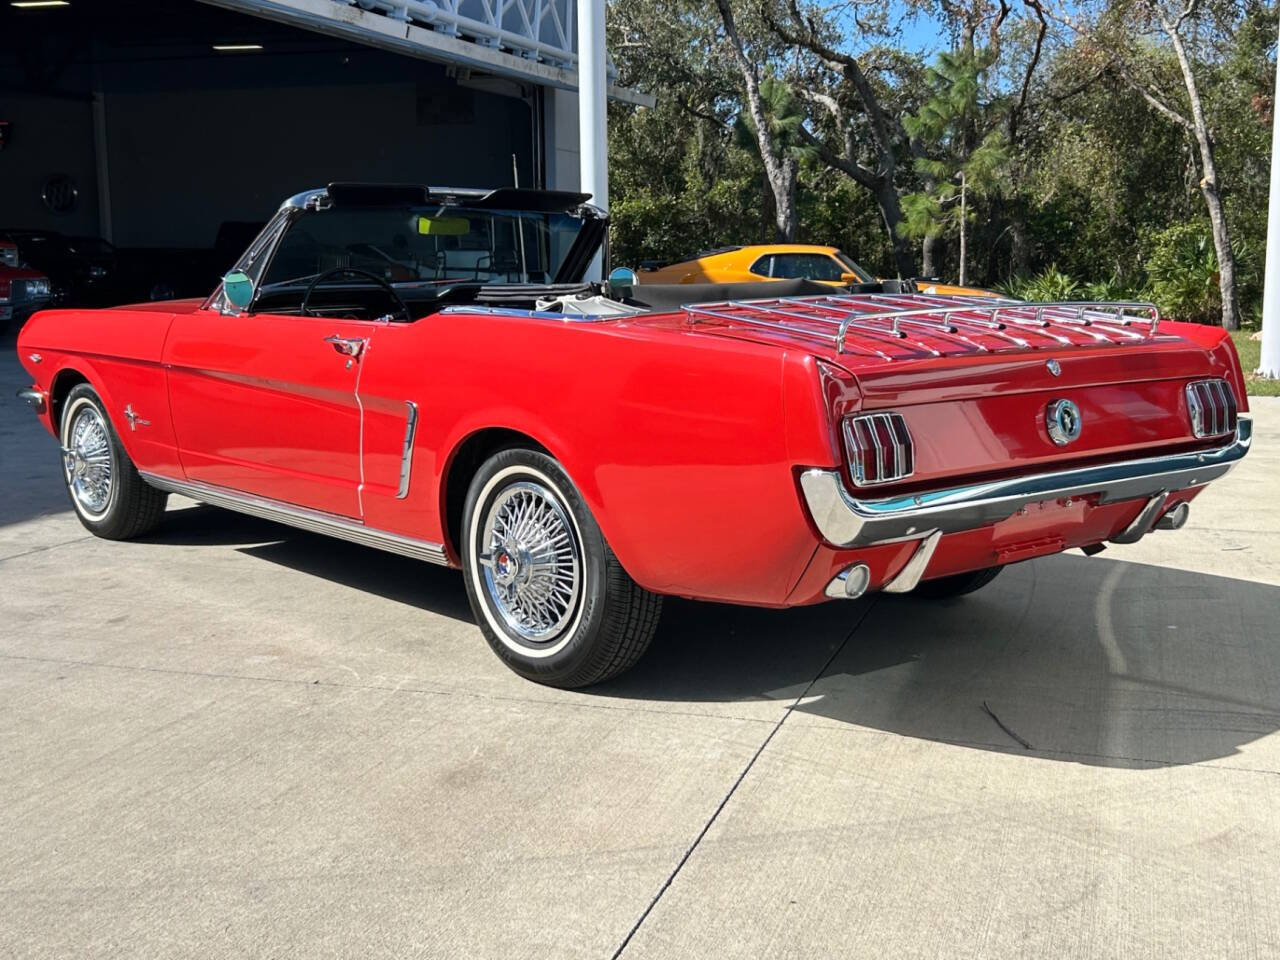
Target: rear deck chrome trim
column 315, row 521
column 847, row 521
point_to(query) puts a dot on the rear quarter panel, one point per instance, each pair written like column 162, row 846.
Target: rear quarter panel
column 683, row 446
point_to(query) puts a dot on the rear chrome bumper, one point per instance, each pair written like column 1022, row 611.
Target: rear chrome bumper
column 847, row 521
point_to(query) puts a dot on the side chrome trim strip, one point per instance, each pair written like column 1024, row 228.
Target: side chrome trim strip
column 315, row 521
column 406, row 453
column 847, row 521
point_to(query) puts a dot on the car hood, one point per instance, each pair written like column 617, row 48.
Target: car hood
column 19, row 273
column 189, row 305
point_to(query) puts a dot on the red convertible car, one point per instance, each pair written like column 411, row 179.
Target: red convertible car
column 424, row 371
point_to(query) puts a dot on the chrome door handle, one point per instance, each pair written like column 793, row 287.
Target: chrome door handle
column 347, row 346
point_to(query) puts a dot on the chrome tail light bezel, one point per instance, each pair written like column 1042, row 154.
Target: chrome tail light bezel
column 879, row 448
column 1211, row 408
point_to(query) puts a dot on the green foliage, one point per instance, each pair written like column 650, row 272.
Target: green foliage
column 1183, row 267
column 785, row 114
column 1250, row 351
column 679, row 185
column 1114, row 288
column 1094, row 194
column 958, row 153
column 1049, row 285
column 1184, row 272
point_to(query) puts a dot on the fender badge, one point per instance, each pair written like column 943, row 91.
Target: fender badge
column 1054, row 367
column 134, row 419
column 1063, row 421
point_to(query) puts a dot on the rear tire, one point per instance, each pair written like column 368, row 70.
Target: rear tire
column 958, row 584
column 548, row 593
column 110, row 498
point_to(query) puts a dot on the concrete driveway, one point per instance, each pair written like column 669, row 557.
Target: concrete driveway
column 237, row 740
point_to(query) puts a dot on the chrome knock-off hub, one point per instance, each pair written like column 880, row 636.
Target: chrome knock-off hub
column 531, row 560
column 87, row 461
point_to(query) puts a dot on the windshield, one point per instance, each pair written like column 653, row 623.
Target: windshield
column 863, row 276
column 432, row 243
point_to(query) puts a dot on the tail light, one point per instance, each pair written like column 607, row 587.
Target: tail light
column 879, row 448
column 1212, row 406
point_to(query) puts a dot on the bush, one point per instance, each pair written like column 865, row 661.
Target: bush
column 1049, row 285
column 1184, row 272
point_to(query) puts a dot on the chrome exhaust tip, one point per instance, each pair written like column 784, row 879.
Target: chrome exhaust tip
column 850, row 584
column 1176, row 518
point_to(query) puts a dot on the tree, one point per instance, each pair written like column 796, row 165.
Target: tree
column 775, row 136
column 959, row 159
column 855, row 97
column 785, row 117
column 1122, row 33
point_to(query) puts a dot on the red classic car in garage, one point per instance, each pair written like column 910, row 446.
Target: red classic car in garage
column 424, row 371
column 22, row 290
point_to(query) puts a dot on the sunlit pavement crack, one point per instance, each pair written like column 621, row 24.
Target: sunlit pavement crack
column 626, row 941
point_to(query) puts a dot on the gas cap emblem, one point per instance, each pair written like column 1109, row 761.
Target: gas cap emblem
column 1063, row 420
column 1054, row 367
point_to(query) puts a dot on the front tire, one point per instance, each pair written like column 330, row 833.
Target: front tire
column 110, row 498
column 548, row 593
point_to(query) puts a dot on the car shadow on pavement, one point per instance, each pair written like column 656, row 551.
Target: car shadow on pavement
column 1087, row 659
column 1091, row 660
column 396, row 578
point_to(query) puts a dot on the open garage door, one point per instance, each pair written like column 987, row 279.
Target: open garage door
column 172, row 128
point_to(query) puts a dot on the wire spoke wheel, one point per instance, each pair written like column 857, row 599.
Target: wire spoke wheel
column 531, row 562
column 88, row 461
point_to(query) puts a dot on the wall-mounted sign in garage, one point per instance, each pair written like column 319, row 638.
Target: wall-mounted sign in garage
column 59, row 193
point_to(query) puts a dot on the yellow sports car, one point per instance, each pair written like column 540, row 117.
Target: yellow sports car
column 782, row 261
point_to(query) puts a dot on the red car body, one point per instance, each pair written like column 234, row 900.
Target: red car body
column 687, row 440
column 714, row 445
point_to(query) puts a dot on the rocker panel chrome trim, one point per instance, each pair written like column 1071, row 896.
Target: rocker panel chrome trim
column 847, row 521
column 314, row 521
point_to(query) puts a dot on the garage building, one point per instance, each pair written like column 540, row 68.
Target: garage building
column 160, row 123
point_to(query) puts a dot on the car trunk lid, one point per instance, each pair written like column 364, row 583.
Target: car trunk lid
column 975, row 380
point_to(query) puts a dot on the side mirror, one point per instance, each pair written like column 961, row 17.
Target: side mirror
column 622, row 280
column 850, row 278
column 239, row 289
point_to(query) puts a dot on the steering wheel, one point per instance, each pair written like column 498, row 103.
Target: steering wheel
column 351, row 271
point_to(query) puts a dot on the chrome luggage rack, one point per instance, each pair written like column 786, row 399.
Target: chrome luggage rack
column 894, row 327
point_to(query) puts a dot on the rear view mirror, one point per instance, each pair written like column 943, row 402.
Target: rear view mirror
column 444, row 226
column 621, row 281
column 238, row 289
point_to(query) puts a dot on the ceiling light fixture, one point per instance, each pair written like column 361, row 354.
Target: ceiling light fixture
column 236, row 47
column 38, row 4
